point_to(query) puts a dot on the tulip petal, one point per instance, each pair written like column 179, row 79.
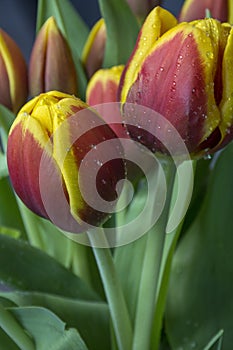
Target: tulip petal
column 24, row 165
column 156, row 24
column 93, row 52
column 226, row 105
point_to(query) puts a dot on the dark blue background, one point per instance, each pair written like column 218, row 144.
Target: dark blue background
column 18, row 18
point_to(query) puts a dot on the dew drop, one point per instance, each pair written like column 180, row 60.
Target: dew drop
column 193, row 90
column 207, row 156
column 98, row 162
column 210, row 54
column 161, row 69
column 174, row 83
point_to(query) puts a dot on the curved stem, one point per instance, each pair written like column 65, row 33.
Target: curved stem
column 151, row 271
column 114, row 294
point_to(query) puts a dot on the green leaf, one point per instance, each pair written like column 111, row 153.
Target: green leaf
column 44, row 235
column 10, row 217
column 122, row 30
column 15, row 330
column 217, row 339
column 6, row 342
column 48, row 331
column 90, row 318
column 3, row 165
column 201, row 285
column 28, row 268
column 6, row 119
column 73, row 28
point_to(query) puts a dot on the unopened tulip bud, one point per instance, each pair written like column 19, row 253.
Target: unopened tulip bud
column 196, row 9
column 48, row 149
column 93, row 52
column 51, row 65
column 185, row 76
column 13, row 71
column 103, row 85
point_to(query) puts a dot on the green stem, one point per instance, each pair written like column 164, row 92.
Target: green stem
column 114, row 294
column 11, row 327
column 162, row 291
column 151, row 271
column 31, row 225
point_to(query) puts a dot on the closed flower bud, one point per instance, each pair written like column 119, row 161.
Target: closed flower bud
column 102, row 88
column 51, row 65
column 13, row 70
column 48, row 150
column 185, row 75
column 196, row 9
column 93, row 52
column 103, row 85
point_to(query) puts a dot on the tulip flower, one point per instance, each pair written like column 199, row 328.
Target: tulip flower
column 185, row 74
column 13, row 70
column 93, row 52
column 196, row 9
column 51, row 65
column 49, row 142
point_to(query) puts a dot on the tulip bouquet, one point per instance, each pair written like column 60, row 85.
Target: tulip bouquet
column 116, row 179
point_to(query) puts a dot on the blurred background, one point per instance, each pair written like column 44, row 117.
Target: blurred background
column 18, row 18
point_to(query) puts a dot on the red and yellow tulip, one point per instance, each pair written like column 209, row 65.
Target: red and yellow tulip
column 13, row 70
column 59, row 130
column 184, row 72
column 51, row 65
